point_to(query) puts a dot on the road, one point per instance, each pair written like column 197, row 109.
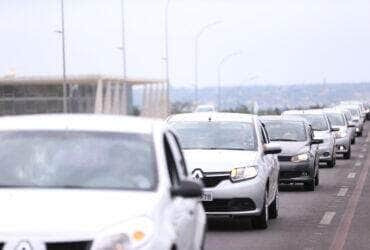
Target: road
column 336, row 216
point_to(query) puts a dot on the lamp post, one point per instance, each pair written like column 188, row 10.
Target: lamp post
column 62, row 33
column 222, row 62
column 166, row 57
column 196, row 55
column 123, row 43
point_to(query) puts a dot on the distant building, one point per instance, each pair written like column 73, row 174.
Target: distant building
column 87, row 94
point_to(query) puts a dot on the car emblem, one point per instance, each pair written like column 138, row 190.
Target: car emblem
column 197, row 174
column 24, row 245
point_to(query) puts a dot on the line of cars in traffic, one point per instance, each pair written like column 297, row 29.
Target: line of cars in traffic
column 112, row 182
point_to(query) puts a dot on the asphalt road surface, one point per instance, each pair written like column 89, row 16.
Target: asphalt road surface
column 335, row 216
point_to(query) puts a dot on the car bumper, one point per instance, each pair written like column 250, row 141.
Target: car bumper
column 342, row 145
column 325, row 152
column 291, row 172
column 227, row 193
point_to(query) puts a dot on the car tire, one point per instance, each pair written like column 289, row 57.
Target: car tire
column 348, row 154
column 310, row 185
column 330, row 164
column 353, row 141
column 317, row 179
column 274, row 207
column 261, row 221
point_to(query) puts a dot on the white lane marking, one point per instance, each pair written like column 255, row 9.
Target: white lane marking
column 364, row 150
column 357, row 163
column 327, row 218
column 351, row 175
column 361, row 156
column 342, row 191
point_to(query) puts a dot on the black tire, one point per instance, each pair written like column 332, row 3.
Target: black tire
column 261, row 221
column 317, row 179
column 353, row 141
column 330, row 164
column 348, row 154
column 310, row 186
column 274, row 207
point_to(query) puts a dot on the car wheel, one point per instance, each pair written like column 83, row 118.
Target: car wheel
column 274, row 207
column 310, row 186
column 317, row 179
column 353, row 141
column 330, row 164
column 261, row 221
column 348, row 154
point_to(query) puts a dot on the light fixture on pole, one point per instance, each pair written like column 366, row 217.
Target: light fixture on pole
column 196, row 55
column 222, row 62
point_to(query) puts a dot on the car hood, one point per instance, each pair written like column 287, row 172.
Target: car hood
column 293, row 148
column 68, row 213
column 219, row 160
column 321, row 134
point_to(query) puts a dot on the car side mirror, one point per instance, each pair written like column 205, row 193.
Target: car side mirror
column 334, row 129
column 187, row 189
column 270, row 149
column 317, row 141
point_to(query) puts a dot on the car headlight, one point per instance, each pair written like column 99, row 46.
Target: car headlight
column 126, row 236
column 341, row 134
column 300, row 157
column 244, row 173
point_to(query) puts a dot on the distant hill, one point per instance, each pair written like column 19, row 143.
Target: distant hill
column 274, row 96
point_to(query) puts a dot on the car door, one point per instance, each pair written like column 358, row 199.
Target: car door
column 184, row 220
column 272, row 164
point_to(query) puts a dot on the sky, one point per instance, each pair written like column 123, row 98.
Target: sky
column 282, row 42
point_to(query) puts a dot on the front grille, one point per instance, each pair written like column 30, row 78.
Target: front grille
column 214, row 180
column 229, row 205
column 290, row 174
column 284, row 157
column 76, row 245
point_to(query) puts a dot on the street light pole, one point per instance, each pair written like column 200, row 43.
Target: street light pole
column 166, row 58
column 222, row 62
column 123, row 40
column 65, row 87
column 196, row 55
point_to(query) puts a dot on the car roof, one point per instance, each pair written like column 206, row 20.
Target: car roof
column 306, row 111
column 212, row 116
column 333, row 111
column 80, row 122
column 283, row 118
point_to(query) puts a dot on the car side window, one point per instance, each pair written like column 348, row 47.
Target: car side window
column 171, row 163
column 177, row 153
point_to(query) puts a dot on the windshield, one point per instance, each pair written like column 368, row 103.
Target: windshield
column 336, row 119
column 318, row 122
column 216, row 135
column 91, row 160
column 286, row 130
column 354, row 113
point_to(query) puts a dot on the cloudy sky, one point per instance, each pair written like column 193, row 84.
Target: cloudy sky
column 283, row 42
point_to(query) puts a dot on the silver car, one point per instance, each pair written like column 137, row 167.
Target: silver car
column 357, row 119
column 343, row 136
column 322, row 130
column 232, row 155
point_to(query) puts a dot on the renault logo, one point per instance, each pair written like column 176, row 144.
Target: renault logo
column 197, row 174
column 24, row 245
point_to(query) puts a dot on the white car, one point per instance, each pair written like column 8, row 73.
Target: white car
column 95, row 182
column 232, row 155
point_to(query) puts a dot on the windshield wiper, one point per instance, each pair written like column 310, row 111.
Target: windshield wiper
column 282, row 139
